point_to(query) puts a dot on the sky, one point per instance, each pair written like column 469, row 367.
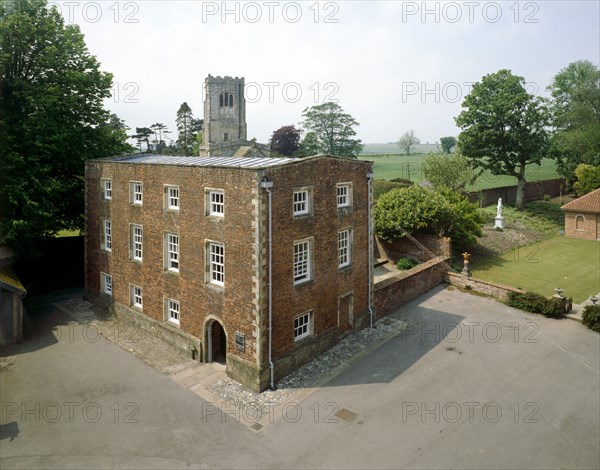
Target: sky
column 392, row 65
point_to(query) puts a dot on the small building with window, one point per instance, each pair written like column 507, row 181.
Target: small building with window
column 582, row 217
column 261, row 263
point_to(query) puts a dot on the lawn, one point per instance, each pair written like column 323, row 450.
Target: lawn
column 409, row 167
column 568, row 263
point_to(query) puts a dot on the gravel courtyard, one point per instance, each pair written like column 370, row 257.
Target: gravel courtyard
column 450, row 380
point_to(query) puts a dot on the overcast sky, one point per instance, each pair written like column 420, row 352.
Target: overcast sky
column 392, row 65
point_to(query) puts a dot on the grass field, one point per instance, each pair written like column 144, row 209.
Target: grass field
column 393, row 149
column 568, row 263
column 409, row 167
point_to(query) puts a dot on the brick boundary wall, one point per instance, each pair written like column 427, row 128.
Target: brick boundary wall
column 498, row 291
column 392, row 292
column 534, row 191
column 406, row 248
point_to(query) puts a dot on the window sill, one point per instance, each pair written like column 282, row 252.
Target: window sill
column 304, row 283
column 215, row 217
column 172, row 271
column 346, row 268
column 215, row 287
column 173, row 323
column 302, row 216
column 304, row 340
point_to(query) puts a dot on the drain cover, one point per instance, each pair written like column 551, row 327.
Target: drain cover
column 387, row 321
column 257, row 426
column 346, row 415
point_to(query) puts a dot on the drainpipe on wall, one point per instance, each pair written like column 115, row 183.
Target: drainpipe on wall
column 371, row 235
column 266, row 184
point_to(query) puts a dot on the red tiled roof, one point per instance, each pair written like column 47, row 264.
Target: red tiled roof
column 588, row 203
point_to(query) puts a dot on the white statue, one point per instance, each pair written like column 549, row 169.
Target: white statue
column 499, row 209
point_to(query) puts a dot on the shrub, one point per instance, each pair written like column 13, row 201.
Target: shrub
column 381, row 187
column 403, row 181
column 547, row 197
column 416, row 209
column 535, row 303
column 591, row 317
column 406, row 263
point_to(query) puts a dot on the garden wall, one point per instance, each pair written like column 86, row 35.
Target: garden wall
column 406, row 248
column 403, row 287
column 534, row 190
column 498, row 291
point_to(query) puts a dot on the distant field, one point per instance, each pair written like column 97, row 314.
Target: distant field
column 370, row 149
column 409, row 167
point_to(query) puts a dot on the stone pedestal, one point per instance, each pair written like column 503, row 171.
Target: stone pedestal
column 466, row 271
column 499, row 222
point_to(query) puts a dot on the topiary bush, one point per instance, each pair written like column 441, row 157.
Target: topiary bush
column 535, row 303
column 591, row 317
column 406, row 263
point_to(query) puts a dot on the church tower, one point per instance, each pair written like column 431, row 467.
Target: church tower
column 224, row 110
column 225, row 131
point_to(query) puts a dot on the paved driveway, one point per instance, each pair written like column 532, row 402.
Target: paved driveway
column 469, row 384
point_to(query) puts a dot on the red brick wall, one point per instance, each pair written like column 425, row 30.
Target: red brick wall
column 534, row 190
column 587, row 227
column 242, row 305
column 406, row 248
column 320, row 295
column 234, row 304
column 394, row 291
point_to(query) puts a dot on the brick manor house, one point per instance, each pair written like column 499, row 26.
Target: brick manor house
column 263, row 263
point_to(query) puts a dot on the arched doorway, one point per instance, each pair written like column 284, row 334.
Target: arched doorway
column 217, row 342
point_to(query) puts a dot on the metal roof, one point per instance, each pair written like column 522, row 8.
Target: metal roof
column 230, row 162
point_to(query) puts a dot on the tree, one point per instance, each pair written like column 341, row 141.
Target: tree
column 447, row 144
column 184, row 128
column 51, row 120
column 576, row 117
column 333, row 129
column 407, row 140
column 159, row 128
column 142, row 134
column 285, row 141
column 503, row 127
column 308, row 146
column 454, row 171
column 416, row 209
column 588, row 178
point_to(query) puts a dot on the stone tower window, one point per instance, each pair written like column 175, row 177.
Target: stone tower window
column 230, row 100
column 221, row 100
column 225, row 136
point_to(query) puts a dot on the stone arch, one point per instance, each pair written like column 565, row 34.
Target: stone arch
column 215, row 340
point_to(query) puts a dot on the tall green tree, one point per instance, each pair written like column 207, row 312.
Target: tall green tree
column 407, row 140
column 453, row 172
column 333, row 129
column 447, row 144
column 576, row 117
column 187, row 128
column 51, row 120
column 504, row 128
